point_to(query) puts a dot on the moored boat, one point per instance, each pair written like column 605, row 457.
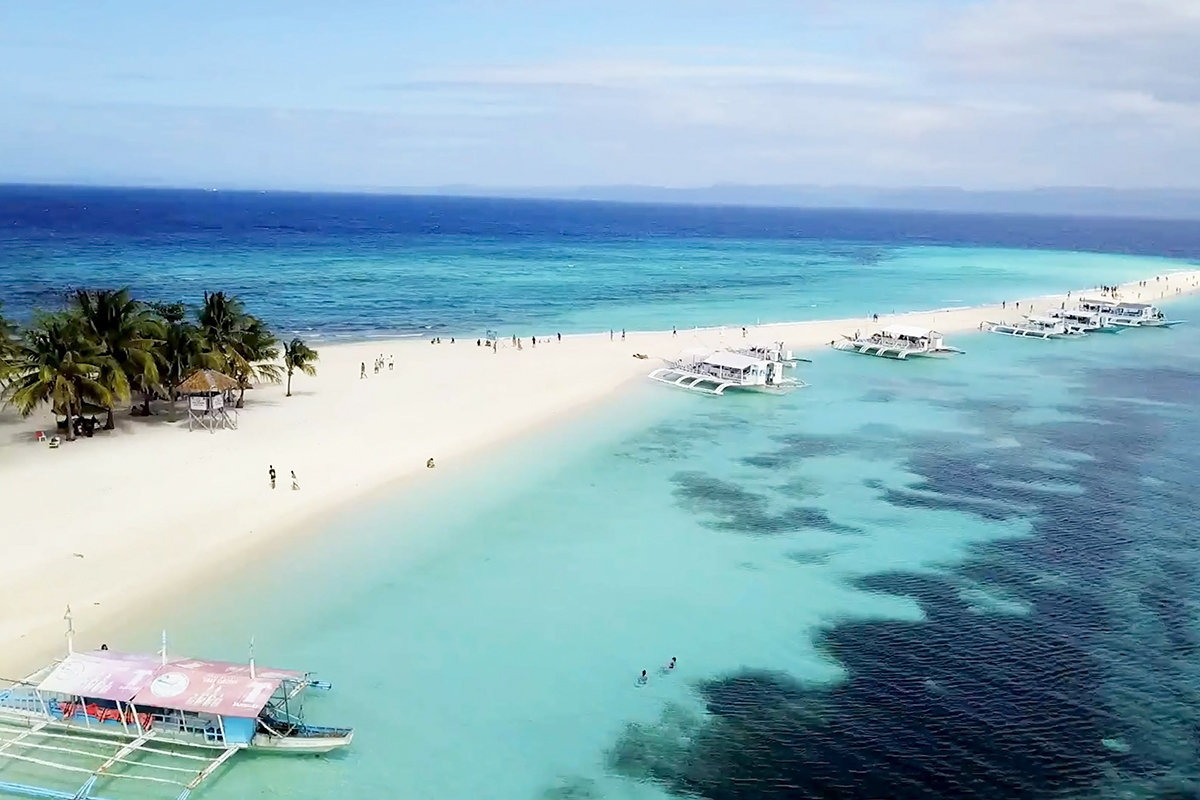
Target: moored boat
column 1129, row 315
column 716, row 372
column 899, row 342
column 153, row 719
column 1034, row 327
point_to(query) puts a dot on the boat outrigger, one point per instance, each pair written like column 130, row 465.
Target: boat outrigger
column 1034, row 327
column 713, row 373
column 171, row 722
column 898, row 342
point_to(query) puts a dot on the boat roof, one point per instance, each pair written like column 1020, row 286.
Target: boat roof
column 1097, row 302
column 184, row 684
column 732, row 360
column 1133, row 305
column 908, row 330
column 1042, row 318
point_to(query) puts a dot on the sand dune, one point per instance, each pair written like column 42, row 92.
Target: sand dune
column 109, row 523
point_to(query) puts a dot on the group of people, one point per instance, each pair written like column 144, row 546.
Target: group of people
column 380, row 363
column 295, row 482
column 643, row 679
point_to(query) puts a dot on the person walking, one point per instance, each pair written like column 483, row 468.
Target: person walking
column 295, row 482
column 271, row 472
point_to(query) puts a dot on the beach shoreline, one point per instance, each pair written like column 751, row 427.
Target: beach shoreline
column 112, row 525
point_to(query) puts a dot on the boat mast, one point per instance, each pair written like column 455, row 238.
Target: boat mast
column 252, row 675
column 163, row 651
column 70, row 631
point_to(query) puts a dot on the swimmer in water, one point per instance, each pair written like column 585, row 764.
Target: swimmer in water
column 642, row 679
column 672, row 664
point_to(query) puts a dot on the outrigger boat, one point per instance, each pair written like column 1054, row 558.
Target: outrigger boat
column 1034, row 327
column 899, row 342
column 106, row 715
column 1129, row 315
column 776, row 351
column 1085, row 321
column 713, row 373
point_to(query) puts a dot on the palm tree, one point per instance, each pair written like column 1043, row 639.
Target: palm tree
column 181, row 352
column 298, row 356
column 57, row 362
column 255, row 353
column 240, row 343
column 128, row 332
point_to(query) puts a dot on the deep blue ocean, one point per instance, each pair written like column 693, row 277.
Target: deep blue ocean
column 970, row 579
column 356, row 266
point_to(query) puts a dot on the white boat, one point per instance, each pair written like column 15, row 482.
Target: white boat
column 1129, row 315
column 1034, row 327
column 152, row 719
column 714, row 372
column 899, row 342
column 775, row 351
column 1086, row 321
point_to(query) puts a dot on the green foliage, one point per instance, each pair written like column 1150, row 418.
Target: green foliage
column 106, row 346
column 298, row 356
column 57, row 362
column 129, row 334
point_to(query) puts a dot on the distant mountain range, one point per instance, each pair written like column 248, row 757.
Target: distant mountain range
column 1152, row 203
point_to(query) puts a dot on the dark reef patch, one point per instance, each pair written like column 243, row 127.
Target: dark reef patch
column 964, row 704
column 736, row 509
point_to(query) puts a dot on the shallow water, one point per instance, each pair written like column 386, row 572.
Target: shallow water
column 962, row 578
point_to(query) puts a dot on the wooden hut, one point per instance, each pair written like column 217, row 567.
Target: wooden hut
column 205, row 392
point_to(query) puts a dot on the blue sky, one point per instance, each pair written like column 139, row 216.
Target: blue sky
column 266, row 94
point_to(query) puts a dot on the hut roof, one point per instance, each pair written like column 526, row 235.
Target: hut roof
column 206, row 381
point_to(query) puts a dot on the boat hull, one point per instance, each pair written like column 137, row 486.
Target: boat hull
column 301, row 745
column 890, row 351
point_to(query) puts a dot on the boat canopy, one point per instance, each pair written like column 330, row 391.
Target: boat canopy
column 908, row 331
column 732, row 361
column 1134, row 306
column 104, row 675
column 216, row 687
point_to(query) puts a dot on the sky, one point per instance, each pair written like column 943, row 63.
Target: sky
column 296, row 94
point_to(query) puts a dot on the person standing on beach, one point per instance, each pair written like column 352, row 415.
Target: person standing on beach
column 673, row 331
column 295, row 482
column 271, row 472
column 362, row 370
column 610, row 334
column 622, row 334
column 560, row 337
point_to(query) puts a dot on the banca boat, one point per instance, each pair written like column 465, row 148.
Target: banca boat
column 1129, row 315
column 899, row 342
column 1035, row 327
column 109, row 717
column 1086, row 321
column 714, row 373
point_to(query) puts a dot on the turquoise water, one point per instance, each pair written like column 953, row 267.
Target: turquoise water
column 929, row 579
column 345, row 266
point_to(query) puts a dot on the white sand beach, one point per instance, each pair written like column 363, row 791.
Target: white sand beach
column 110, row 523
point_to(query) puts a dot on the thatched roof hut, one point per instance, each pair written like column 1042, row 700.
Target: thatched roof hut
column 206, row 381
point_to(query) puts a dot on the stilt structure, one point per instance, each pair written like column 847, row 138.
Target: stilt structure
column 205, row 392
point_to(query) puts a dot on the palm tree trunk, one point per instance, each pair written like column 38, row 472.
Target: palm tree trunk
column 146, row 403
column 172, row 412
column 241, row 403
column 109, row 422
column 70, row 427
column 289, row 391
